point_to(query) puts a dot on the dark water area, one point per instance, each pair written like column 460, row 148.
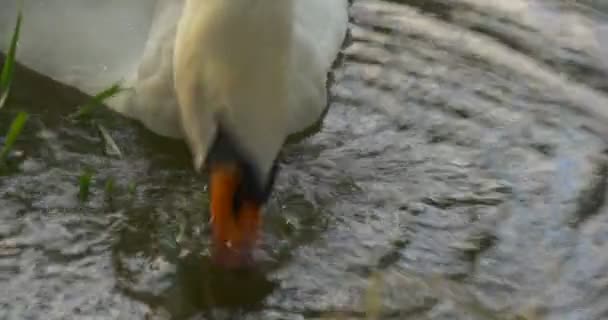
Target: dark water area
column 460, row 173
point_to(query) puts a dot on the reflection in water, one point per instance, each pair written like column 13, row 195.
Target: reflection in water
column 198, row 286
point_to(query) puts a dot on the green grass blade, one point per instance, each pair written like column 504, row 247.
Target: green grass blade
column 84, row 182
column 6, row 75
column 132, row 188
column 98, row 99
column 13, row 133
column 109, row 188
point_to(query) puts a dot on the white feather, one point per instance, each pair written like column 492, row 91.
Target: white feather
column 262, row 65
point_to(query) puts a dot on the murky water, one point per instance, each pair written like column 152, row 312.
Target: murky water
column 460, row 174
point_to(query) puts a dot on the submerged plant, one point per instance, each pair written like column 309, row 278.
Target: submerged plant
column 109, row 188
column 85, row 184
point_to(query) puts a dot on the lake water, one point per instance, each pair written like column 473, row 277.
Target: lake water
column 460, row 174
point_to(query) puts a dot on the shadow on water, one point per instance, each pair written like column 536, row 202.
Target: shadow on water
column 199, row 287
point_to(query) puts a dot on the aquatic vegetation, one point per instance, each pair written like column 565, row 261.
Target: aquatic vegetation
column 99, row 99
column 11, row 138
column 6, row 79
column 109, row 188
column 85, row 184
column 6, row 75
column 132, row 188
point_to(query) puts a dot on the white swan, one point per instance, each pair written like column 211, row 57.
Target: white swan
column 234, row 78
column 247, row 74
column 260, row 75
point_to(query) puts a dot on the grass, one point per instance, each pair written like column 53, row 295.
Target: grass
column 6, row 76
column 85, row 184
column 6, row 80
column 11, row 138
column 99, row 99
column 132, row 188
column 109, row 188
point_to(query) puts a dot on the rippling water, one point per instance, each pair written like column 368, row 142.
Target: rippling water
column 460, row 173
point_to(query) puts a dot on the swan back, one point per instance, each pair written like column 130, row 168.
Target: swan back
column 231, row 70
column 320, row 27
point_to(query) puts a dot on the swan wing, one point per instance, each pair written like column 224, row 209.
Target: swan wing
column 151, row 97
column 320, row 28
column 91, row 44
column 88, row 44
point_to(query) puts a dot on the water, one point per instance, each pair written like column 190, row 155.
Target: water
column 460, row 173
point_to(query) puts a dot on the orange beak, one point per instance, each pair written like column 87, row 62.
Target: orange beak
column 235, row 230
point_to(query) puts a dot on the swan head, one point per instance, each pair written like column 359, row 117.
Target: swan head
column 237, row 194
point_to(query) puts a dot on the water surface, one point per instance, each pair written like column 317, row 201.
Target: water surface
column 460, row 173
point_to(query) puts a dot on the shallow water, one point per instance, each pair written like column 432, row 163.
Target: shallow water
column 457, row 173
